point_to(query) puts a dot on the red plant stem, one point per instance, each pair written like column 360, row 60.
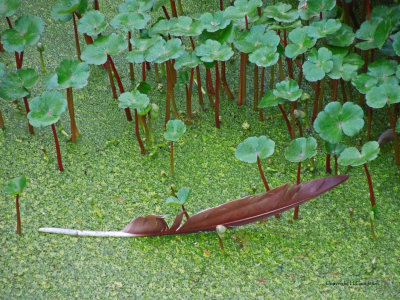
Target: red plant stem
column 315, row 103
column 335, row 87
column 78, row 48
column 1, row 46
column 371, row 189
column 221, row 245
column 300, row 78
column 221, row 5
column 18, row 214
column 217, row 84
column 148, row 67
column 120, row 86
column 9, row 22
column 165, row 12
column 173, row 8
column 189, row 96
column 296, row 209
column 168, row 99
column 110, row 77
column 60, row 166
column 131, row 71
column 209, row 86
column 96, row 5
column 19, row 58
column 185, row 212
column 139, row 139
column 199, row 91
column 172, row 158
column 240, row 97
column 247, row 22
column 262, row 174
column 369, row 122
column 224, row 82
column 368, row 9
column 300, row 128
column 255, row 101
column 395, row 138
column 74, row 128
column 344, row 95
column 336, row 164
column 285, row 117
column 328, row 163
column 1, row 120
column 293, row 124
column 260, row 112
column 27, row 111
column 143, row 71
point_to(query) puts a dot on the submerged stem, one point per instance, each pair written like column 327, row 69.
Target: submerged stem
column 139, row 139
column 18, row 214
column 371, row 189
column 74, row 128
column 262, row 174
column 58, row 152
column 78, row 47
column 27, row 112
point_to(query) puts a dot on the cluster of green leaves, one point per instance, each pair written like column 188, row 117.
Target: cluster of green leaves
column 287, row 90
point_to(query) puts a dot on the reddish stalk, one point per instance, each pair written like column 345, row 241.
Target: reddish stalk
column 336, row 164
column 142, row 150
column 242, row 71
column 369, row 122
column 1, row 46
column 328, row 163
column 199, row 91
column 221, row 5
column 210, row 88
column 143, row 71
column 110, row 77
column 335, row 87
column 189, row 96
column 120, row 86
column 173, row 8
column 148, row 67
column 262, row 174
column 9, row 22
column 172, row 158
column 285, row 117
column 371, row 189
column 221, row 245
column 395, row 138
column 224, row 81
column 165, row 12
column 247, row 22
column 27, row 112
column 131, row 71
column 96, row 5
column 78, row 48
column 296, row 209
column 74, row 129
column 185, row 212
column 255, row 102
column 300, row 128
column 300, row 78
column 60, row 166
column 1, row 121
column 344, row 95
column 217, row 84
column 18, row 214
column 293, row 124
column 260, row 112
column 315, row 103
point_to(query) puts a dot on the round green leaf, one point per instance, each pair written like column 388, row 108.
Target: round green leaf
column 322, row 28
column 241, row 9
column 62, row 10
column 163, row 51
column 183, row 194
column 213, row 23
column 343, row 37
column 288, row 89
column 211, row 51
column 185, row 26
column 26, row 32
column 374, row 31
column 162, row 27
column 301, row 42
column 318, row 64
column 301, row 149
column 134, row 100
column 364, row 82
column 104, row 45
column 250, row 40
column 352, row 157
column 8, row 7
column 281, row 12
column 336, row 120
column 70, row 73
column 16, row 85
column 311, row 8
column 140, row 47
column 334, row 149
column 46, row 109
column 175, row 129
column 264, row 57
column 92, row 23
column 15, row 186
column 250, row 148
column 138, row 6
column 188, row 60
column 382, row 69
column 173, row 200
column 384, row 94
column 130, row 22
column 270, row 100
